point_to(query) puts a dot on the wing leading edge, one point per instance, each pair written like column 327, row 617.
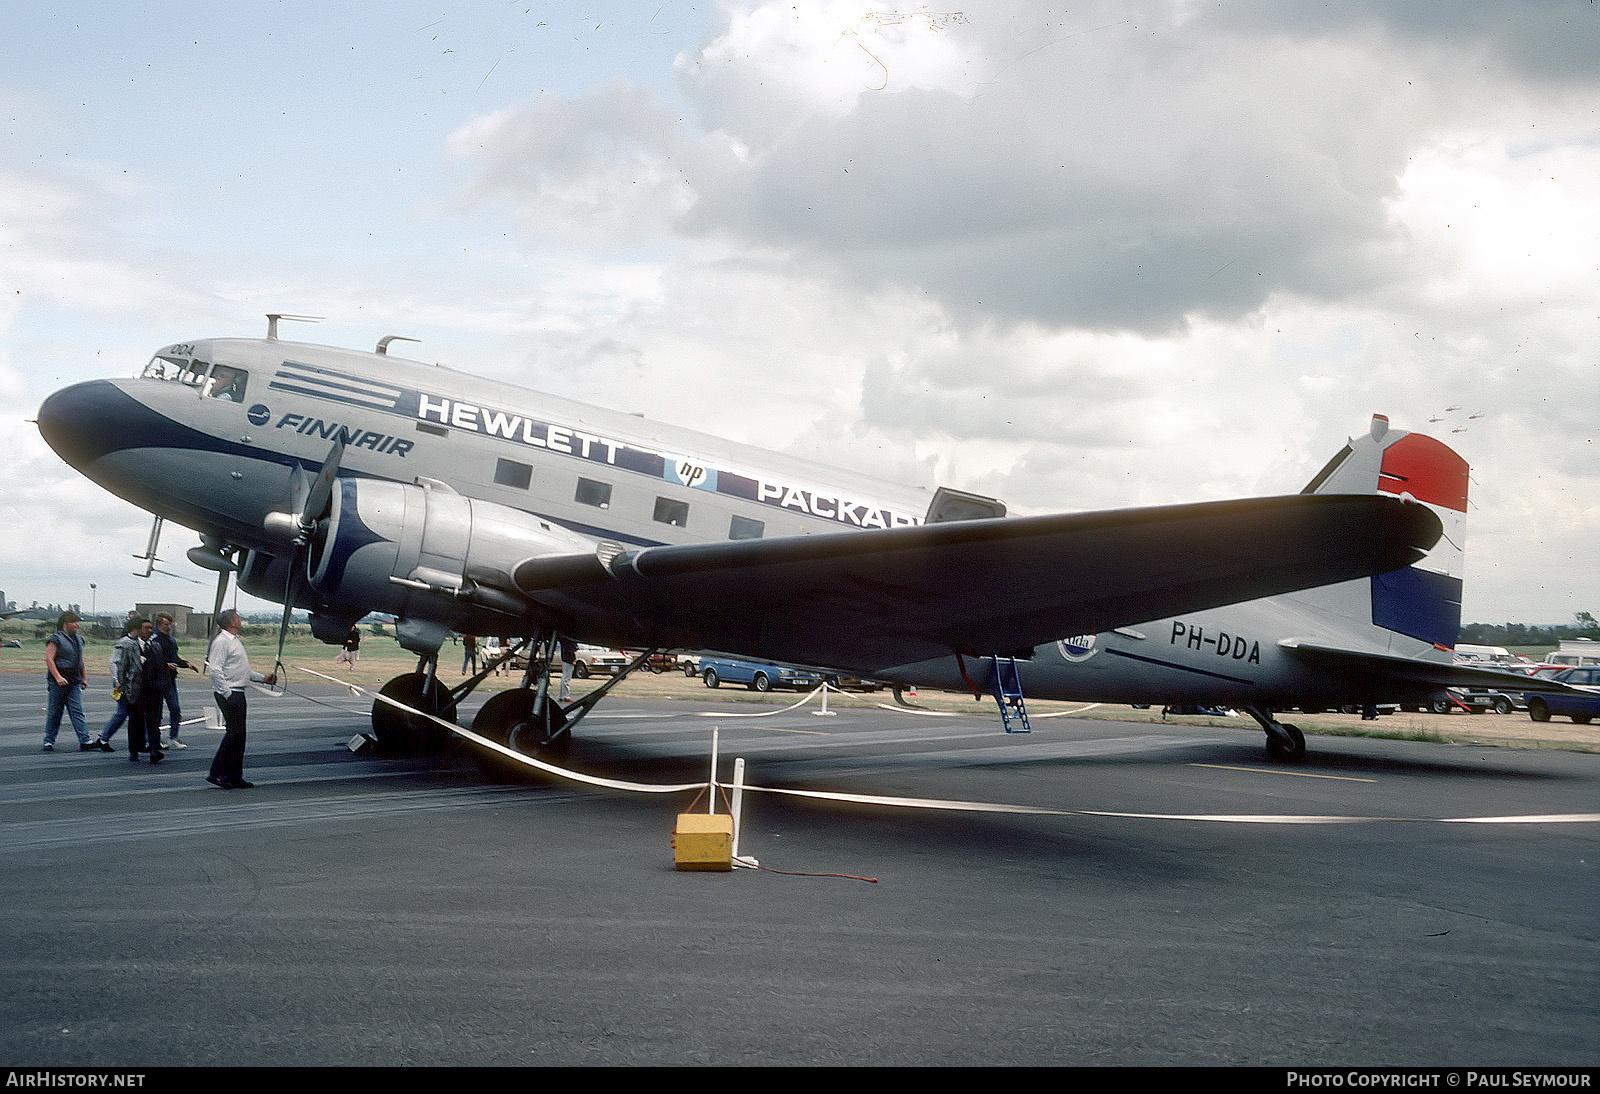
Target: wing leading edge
column 870, row 600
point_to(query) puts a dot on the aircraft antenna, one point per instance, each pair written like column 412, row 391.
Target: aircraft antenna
column 273, row 317
column 383, row 343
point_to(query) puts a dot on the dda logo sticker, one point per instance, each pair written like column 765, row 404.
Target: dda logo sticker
column 1079, row 647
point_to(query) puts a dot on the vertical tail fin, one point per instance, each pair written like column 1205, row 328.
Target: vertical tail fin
column 1422, row 601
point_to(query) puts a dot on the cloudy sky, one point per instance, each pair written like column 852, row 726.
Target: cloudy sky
column 1075, row 256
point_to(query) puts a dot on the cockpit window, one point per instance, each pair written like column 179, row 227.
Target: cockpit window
column 177, row 369
column 227, row 383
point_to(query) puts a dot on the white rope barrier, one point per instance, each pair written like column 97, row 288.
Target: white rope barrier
column 940, row 804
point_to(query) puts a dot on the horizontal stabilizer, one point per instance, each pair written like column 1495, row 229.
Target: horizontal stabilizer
column 1356, row 666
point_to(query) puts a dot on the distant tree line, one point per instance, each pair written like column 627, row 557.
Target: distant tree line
column 1584, row 625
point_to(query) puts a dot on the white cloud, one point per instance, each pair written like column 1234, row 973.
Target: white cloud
column 1501, row 222
column 606, row 167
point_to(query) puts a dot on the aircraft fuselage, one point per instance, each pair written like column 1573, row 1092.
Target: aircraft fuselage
column 596, row 472
column 1228, row 657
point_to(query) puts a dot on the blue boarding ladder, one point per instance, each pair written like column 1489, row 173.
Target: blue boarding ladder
column 1006, row 683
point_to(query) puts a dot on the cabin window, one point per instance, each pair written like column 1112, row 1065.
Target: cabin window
column 512, row 473
column 597, row 494
column 675, row 513
column 745, row 528
column 227, row 383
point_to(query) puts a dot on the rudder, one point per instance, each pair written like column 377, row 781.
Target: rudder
column 1422, row 601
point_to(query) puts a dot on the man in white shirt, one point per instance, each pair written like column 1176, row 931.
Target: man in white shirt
column 230, row 675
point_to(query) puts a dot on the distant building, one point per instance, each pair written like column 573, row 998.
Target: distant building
column 185, row 623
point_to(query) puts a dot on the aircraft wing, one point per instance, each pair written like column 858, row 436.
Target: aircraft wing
column 873, row 599
column 1390, row 669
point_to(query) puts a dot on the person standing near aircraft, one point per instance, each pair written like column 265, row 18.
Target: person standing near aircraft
column 125, row 680
column 351, row 652
column 64, row 679
column 469, row 653
column 568, row 648
column 144, row 718
column 167, row 652
column 230, row 674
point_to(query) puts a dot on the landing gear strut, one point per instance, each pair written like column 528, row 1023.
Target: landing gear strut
column 530, row 721
column 510, row 719
column 401, row 733
column 1285, row 742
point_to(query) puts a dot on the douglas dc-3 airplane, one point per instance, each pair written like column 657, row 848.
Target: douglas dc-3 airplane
column 348, row 482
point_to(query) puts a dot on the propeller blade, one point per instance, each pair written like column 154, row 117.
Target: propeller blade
column 320, row 497
column 299, row 489
column 216, row 607
column 288, row 607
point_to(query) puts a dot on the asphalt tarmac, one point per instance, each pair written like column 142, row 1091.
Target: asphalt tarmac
column 360, row 910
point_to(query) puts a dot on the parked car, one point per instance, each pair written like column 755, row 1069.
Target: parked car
column 593, row 660
column 1496, row 699
column 755, row 675
column 659, row 662
column 1581, row 708
column 587, row 660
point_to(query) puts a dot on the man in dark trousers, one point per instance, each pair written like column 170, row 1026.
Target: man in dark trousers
column 230, row 675
column 167, row 653
column 144, row 713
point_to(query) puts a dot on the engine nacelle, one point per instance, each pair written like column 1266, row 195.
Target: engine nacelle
column 384, row 544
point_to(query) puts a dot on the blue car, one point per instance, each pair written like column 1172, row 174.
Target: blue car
column 1581, row 708
column 755, row 675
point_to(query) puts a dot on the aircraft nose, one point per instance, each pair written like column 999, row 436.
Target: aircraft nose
column 85, row 421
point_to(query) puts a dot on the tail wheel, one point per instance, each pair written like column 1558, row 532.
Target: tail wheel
column 1287, row 751
column 508, row 719
column 401, row 733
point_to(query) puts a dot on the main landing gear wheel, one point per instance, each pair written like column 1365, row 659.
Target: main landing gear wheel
column 508, row 719
column 400, row 733
column 1287, row 752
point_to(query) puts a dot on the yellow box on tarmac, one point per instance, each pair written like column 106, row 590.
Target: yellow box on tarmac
column 703, row 841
